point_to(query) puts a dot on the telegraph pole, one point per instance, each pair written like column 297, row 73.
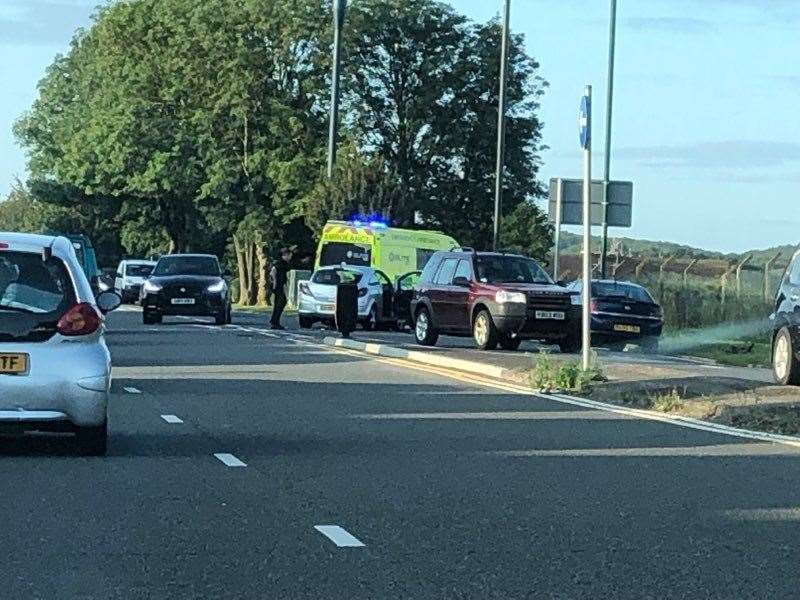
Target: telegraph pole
column 612, row 39
column 501, row 126
column 339, row 9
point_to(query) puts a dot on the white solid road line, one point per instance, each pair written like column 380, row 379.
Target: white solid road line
column 229, row 460
column 132, row 390
column 339, row 536
column 172, row 419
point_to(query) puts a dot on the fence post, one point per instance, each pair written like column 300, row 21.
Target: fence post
column 739, row 268
column 692, row 263
column 639, row 268
column 767, row 267
column 724, row 285
column 618, row 266
column 664, row 266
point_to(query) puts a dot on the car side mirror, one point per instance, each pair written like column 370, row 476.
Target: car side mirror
column 561, row 283
column 461, row 282
column 108, row 301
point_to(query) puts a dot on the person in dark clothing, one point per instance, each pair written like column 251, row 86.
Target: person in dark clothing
column 278, row 277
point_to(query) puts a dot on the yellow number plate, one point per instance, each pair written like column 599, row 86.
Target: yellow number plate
column 13, row 364
column 628, row 328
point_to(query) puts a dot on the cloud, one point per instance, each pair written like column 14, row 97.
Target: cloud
column 43, row 22
column 671, row 24
column 739, row 154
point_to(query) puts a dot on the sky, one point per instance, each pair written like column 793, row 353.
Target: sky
column 705, row 105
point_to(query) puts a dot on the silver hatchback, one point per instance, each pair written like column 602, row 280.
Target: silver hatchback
column 55, row 368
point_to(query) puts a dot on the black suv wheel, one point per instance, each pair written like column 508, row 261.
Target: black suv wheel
column 785, row 366
column 484, row 331
column 424, row 332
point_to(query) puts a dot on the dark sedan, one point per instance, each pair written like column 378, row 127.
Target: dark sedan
column 622, row 312
column 186, row 284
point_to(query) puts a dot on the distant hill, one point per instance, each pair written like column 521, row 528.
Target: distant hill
column 572, row 244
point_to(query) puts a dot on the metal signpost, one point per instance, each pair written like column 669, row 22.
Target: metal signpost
column 339, row 9
column 612, row 35
column 586, row 144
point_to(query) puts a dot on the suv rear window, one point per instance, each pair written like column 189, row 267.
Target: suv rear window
column 336, row 276
column 509, row 269
column 28, row 284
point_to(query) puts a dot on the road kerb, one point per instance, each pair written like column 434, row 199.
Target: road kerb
column 501, row 376
column 426, row 358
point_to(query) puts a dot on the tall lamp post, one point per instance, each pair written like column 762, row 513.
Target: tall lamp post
column 339, row 9
column 501, row 126
column 612, row 35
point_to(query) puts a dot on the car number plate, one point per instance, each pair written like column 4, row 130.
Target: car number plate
column 183, row 300
column 628, row 328
column 326, row 307
column 13, row 364
column 550, row 314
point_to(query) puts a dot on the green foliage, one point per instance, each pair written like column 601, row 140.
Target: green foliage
column 568, row 376
column 527, row 231
column 669, row 402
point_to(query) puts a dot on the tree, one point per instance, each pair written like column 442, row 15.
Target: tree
column 422, row 94
column 196, row 114
column 362, row 185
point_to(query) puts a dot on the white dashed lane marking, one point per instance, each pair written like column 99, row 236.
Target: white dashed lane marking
column 339, row 536
column 229, row 460
column 172, row 419
column 132, row 390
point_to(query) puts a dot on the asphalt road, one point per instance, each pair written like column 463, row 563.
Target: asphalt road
column 443, row 489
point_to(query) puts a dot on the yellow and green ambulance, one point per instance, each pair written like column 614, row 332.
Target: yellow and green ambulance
column 394, row 251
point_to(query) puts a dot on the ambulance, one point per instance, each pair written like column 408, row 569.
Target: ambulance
column 395, row 252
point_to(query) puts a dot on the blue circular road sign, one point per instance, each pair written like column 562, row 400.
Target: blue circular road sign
column 585, row 121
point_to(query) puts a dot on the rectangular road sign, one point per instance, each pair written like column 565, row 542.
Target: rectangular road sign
column 620, row 202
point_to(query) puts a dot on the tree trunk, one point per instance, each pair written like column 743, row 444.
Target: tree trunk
column 252, row 281
column 263, row 274
column 241, row 264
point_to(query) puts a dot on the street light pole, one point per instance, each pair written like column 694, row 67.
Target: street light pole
column 501, row 126
column 339, row 9
column 612, row 35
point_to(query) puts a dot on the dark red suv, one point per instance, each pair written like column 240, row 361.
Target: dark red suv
column 497, row 298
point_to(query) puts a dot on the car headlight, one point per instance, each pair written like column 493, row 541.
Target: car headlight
column 216, row 288
column 151, row 286
column 576, row 299
column 504, row 297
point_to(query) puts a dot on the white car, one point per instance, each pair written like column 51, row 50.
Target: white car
column 55, row 368
column 316, row 298
column 130, row 277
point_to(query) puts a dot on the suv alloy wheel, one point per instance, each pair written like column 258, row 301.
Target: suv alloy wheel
column 484, row 331
column 424, row 332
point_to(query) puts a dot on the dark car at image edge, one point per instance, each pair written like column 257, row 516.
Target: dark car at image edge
column 497, row 298
column 785, row 322
column 186, row 285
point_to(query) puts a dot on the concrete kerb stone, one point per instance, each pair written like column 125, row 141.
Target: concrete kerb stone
column 427, row 358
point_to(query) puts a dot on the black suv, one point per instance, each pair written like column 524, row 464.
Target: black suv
column 497, row 298
column 786, row 327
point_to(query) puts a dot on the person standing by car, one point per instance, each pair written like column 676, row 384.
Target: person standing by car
column 279, row 277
